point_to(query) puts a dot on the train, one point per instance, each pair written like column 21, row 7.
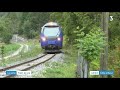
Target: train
column 51, row 37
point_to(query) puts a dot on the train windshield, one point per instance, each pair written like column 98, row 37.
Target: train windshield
column 51, row 31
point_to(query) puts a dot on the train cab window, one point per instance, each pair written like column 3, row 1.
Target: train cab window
column 51, row 31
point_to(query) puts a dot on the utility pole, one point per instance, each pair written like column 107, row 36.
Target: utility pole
column 104, row 54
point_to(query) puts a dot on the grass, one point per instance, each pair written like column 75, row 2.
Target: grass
column 114, row 62
column 64, row 69
column 10, row 48
column 67, row 69
column 33, row 52
column 94, row 66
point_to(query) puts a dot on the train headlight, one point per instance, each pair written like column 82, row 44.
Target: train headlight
column 43, row 39
column 58, row 38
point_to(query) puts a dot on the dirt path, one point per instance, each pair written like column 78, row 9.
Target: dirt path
column 18, row 51
column 15, row 53
column 24, row 47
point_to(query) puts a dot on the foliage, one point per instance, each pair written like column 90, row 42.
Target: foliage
column 114, row 60
column 114, row 32
column 70, row 20
column 5, row 27
column 114, row 44
column 91, row 44
column 86, row 37
column 31, row 23
column 22, row 23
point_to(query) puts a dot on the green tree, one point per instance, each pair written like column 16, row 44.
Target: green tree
column 5, row 27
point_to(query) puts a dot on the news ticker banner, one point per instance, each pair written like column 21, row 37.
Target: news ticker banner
column 102, row 72
column 15, row 73
column 28, row 73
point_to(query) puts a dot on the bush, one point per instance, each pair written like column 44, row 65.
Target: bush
column 7, row 38
column 91, row 44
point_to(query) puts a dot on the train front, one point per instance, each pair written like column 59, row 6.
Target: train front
column 51, row 37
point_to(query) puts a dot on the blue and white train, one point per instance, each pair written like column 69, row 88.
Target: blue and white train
column 51, row 37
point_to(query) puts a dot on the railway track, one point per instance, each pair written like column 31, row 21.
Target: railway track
column 28, row 64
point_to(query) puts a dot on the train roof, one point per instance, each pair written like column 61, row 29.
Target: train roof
column 51, row 24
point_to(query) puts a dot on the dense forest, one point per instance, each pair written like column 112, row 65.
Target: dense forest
column 82, row 30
